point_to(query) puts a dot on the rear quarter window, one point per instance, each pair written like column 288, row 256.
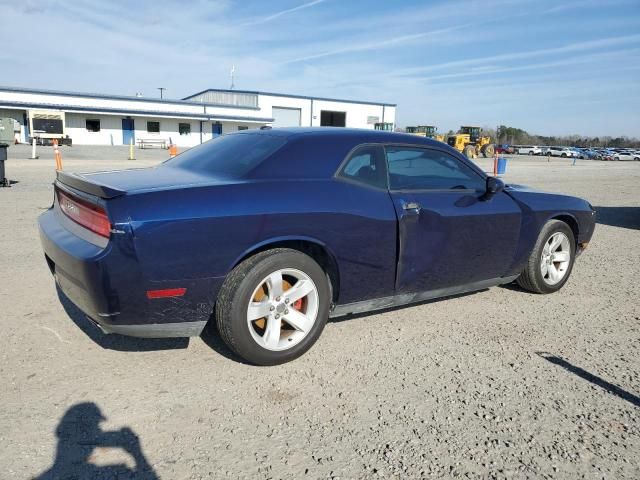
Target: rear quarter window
column 366, row 165
column 231, row 156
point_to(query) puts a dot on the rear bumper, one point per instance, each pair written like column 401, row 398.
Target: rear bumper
column 155, row 330
column 108, row 286
column 76, row 265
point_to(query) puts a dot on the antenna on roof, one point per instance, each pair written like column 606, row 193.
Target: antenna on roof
column 233, row 71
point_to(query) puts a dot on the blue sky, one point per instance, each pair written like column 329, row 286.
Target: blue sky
column 548, row 67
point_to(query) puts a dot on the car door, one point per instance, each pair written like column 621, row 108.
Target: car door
column 447, row 234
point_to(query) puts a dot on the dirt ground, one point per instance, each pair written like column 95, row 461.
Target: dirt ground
column 496, row 384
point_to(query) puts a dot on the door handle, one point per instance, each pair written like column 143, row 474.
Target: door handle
column 413, row 207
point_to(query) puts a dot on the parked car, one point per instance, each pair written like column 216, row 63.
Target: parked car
column 604, row 154
column 528, row 150
column 268, row 233
column 624, row 155
column 559, row 152
column 508, row 149
column 590, row 154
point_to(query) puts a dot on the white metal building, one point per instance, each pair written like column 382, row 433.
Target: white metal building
column 94, row 119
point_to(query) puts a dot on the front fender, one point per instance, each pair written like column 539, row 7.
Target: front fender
column 540, row 207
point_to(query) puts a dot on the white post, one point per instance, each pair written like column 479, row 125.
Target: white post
column 33, row 149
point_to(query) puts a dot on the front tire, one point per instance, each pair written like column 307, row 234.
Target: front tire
column 551, row 261
column 469, row 152
column 273, row 306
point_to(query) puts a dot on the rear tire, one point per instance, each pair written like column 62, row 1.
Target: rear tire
column 549, row 265
column 489, row 151
column 290, row 324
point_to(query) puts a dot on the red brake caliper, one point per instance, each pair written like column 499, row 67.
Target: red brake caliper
column 298, row 304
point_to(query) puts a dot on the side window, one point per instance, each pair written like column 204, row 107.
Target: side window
column 366, row 165
column 424, row 169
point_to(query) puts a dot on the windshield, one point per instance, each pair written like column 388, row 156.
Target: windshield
column 230, row 156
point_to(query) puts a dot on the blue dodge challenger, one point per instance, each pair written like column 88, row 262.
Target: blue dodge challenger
column 270, row 232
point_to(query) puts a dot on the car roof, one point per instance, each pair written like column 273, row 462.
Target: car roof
column 359, row 135
column 319, row 151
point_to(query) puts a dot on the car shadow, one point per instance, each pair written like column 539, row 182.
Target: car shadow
column 625, row 217
column 514, row 287
column 82, row 441
column 590, row 377
column 211, row 337
column 113, row 341
column 354, row 316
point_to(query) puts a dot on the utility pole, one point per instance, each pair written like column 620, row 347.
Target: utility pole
column 233, row 71
column 162, row 89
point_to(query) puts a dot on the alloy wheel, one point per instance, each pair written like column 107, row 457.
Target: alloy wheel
column 282, row 309
column 555, row 258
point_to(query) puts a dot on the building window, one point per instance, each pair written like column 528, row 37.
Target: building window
column 243, row 127
column 184, row 128
column 153, row 127
column 333, row 119
column 93, row 125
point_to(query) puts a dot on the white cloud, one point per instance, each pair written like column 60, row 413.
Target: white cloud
column 279, row 14
column 569, row 48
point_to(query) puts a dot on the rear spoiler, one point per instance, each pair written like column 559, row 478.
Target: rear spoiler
column 79, row 182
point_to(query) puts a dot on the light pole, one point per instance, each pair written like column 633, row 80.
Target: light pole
column 162, row 89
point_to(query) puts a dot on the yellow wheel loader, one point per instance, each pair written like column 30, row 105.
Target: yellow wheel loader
column 469, row 142
column 426, row 131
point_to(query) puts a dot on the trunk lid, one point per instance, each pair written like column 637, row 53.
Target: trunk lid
column 111, row 184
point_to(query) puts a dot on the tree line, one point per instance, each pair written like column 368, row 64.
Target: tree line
column 517, row 136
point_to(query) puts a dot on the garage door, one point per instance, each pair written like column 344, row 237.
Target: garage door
column 285, row 117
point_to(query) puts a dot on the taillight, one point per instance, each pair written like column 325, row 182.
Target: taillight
column 92, row 217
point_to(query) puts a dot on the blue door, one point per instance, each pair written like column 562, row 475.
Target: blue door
column 128, row 131
column 448, row 235
column 216, row 129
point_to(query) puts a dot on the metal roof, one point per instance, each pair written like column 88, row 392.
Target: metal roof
column 125, row 112
column 118, row 97
column 185, row 100
column 304, row 97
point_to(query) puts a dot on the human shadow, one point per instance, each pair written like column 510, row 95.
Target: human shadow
column 80, row 440
column 625, row 217
column 602, row 383
column 114, row 341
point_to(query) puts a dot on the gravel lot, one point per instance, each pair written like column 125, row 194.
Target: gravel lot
column 457, row 387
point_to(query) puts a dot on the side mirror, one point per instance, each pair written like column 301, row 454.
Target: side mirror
column 494, row 185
